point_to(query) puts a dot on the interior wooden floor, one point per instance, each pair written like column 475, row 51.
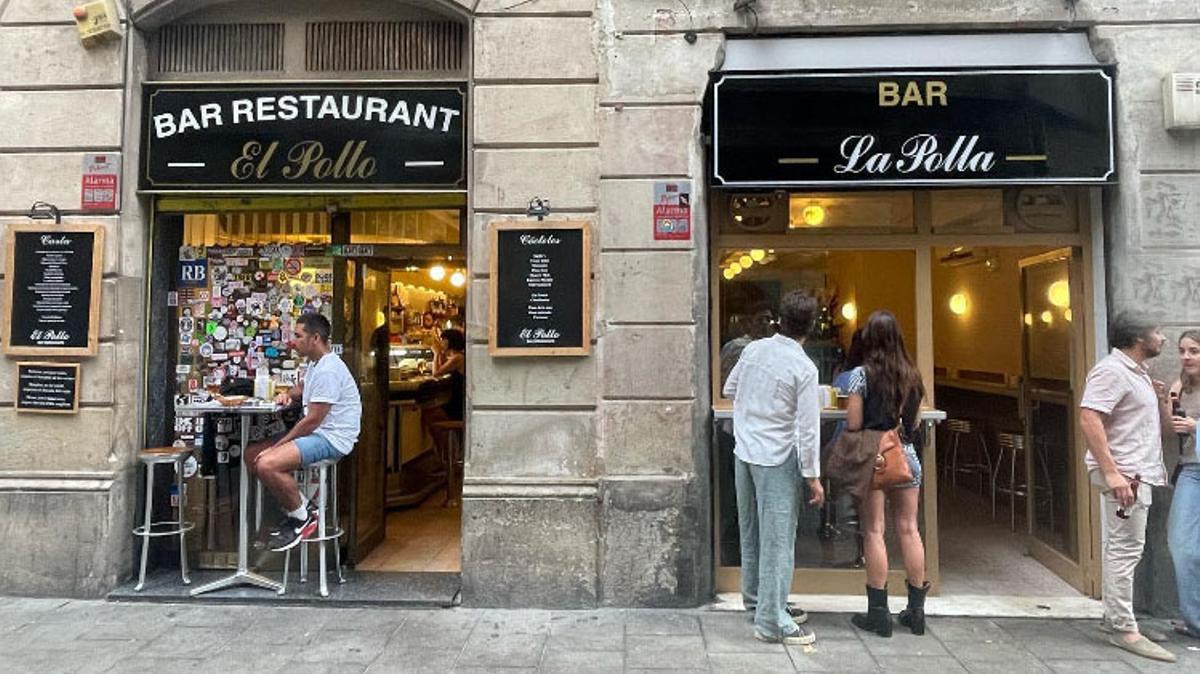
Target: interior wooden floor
column 427, row 537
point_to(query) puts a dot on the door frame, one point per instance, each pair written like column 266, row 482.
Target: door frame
column 1088, row 240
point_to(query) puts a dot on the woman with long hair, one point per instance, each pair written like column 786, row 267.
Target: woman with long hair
column 886, row 392
column 1183, row 536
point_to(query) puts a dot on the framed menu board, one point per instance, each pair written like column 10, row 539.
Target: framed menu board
column 52, row 299
column 540, row 289
column 49, row 388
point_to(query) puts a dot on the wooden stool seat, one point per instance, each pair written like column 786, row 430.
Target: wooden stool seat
column 448, row 425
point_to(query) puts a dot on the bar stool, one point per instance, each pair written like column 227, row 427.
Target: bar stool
column 958, row 430
column 453, row 457
column 326, row 484
column 151, row 458
column 1012, row 444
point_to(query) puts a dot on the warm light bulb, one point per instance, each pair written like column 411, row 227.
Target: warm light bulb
column 1059, row 294
column 728, row 274
column 457, row 279
column 813, row 215
column 1047, row 317
column 745, row 261
column 1028, row 319
column 437, row 272
column 1067, row 315
column 758, row 254
column 849, row 311
column 958, row 304
column 735, row 267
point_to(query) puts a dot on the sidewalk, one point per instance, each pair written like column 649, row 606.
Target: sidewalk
column 57, row 635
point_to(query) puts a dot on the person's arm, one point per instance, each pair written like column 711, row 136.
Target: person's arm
column 808, row 445
column 1091, row 422
column 291, row 395
column 1164, row 406
column 1184, row 425
column 855, row 389
column 309, row 424
column 731, row 384
column 448, row 364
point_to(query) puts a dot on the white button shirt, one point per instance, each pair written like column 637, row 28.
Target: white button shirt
column 776, row 406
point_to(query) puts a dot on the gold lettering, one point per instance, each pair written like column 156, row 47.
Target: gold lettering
column 889, row 94
column 936, row 89
column 933, row 93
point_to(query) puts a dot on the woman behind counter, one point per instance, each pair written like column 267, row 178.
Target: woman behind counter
column 449, row 359
column 886, row 386
column 1183, row 536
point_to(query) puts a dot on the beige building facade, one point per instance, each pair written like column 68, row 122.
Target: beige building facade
column 589, row 481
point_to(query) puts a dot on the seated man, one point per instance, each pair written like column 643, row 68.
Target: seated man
column 329, row 429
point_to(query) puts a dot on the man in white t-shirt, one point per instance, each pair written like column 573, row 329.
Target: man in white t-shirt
column 329, row 429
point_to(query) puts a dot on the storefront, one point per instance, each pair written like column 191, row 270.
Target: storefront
column 957, row 198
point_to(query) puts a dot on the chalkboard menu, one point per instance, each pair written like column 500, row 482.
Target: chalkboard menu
column 540, row 289
column 51, row 388
column 53, row 289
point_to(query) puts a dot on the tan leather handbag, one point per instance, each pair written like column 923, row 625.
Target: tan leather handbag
column 891, row 466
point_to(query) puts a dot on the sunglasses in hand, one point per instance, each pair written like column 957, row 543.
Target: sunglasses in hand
column 1133, row 486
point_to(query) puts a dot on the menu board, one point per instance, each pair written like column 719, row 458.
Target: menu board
column 540, row 289
column 51, row 388
column 53, row 291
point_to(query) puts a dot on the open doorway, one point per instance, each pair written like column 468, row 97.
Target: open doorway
column 1006, row 354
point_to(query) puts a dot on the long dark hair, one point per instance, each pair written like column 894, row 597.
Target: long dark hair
column 891, row 373
column 1188, row 383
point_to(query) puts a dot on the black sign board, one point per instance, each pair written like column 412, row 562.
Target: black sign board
column 51, row 388
column 540, row 289
column 53, row 290
column 304, row 136
column 913, row 128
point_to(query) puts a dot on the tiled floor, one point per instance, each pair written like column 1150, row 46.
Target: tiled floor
column 980, row 556
column 425, row 538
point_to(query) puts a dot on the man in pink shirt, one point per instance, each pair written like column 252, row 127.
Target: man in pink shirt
column 1122, row 415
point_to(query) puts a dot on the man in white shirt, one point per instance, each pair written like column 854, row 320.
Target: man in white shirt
column 329, row 429
column 1122, row 415
column 777, row 434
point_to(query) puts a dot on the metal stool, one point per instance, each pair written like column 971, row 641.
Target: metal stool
column 151, row 458
column 963, row 428
column 326, row 484
column 453, row 457
column 1014, row 445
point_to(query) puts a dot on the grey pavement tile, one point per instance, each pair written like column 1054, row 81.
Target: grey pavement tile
column 298, row 630
column 582, row 662
column 988, row 651
column 322, row 668
column 974, row 630
column 77, row 662
column 344, row 646
column 920, row 664
column 212, row 615
column 414, row 661
column 261, row 660
column 1058, row 639
column 435, row 630
column 189, row 642
column 1090, row 667
column 139, row 664
column 733, row 634
column 582, row 633
column 835, row 655
column 1026, row 665
column 665, row 652
column 493, row 670
column 661, row 621
column 831, row 626
column 36, row 636
column 373, row 620
column 903, row 643
column 140, row 633
column 750, row 662
column 659, row 670
column 490, row 648
column 529, row 621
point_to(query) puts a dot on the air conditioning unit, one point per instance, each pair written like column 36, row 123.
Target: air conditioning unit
column 1181, row 101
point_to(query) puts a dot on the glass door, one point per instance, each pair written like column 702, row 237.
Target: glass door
column 1054, row 487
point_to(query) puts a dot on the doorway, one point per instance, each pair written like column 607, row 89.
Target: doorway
column 1008, row 367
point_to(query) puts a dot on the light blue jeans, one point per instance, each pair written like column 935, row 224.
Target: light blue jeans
column 768, row 500
column 1183, row 536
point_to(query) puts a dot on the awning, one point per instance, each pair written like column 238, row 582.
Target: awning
column 918, row 110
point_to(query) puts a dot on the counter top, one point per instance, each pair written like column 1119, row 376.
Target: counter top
column 927, row 414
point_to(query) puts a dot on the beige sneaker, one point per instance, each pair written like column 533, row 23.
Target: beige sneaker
column 1143, row 647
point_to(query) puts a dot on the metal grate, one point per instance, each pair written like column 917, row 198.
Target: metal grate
column 220, row 47
column 395, row 46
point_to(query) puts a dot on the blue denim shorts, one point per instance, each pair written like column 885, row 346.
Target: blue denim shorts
column 314, row 448
column 914, row 464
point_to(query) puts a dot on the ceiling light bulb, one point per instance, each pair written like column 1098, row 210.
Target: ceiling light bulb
column 437, row 272
column 1028, row 319
column 728, row 274
column 958, row 304
column 758, row 254
column 1047, row 317
column 1059, row 294
column 735, row 267
column 745, row 261
column 813, row 215
column 849, row 311
column 457, row 279
column 1067, row 315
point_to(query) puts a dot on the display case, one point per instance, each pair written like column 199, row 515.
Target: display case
column 409, row 362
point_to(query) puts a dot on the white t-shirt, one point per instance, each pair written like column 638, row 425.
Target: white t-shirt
column 329, row 381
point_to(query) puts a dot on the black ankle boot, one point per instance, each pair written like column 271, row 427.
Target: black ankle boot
column 877, row 619
column 913, row 617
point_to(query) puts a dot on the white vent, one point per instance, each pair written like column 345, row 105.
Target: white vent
column 1181, row 101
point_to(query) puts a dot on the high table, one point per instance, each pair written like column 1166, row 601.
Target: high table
column 243, row 575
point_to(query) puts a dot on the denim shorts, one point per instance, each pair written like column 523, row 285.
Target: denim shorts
column 914, row 464
column 314, row 448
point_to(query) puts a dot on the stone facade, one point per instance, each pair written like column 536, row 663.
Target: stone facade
column 587, row 479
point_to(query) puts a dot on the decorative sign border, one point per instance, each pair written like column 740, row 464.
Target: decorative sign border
column 35, row 410
column 494, row 230
column 93, row 339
